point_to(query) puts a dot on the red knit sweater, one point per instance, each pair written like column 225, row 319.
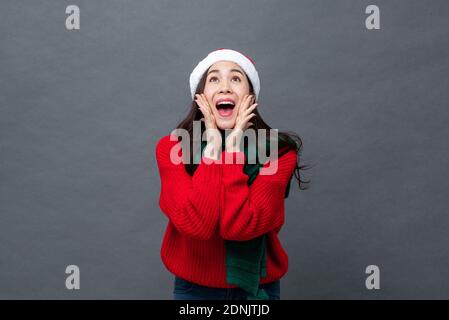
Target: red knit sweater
column 217, row 204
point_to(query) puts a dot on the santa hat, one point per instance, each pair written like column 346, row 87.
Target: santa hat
column 245, row 62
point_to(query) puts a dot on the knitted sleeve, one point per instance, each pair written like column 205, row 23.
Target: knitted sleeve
column 250, row 211
column 190, row 203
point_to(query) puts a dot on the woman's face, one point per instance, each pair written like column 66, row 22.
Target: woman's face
column 226, row 85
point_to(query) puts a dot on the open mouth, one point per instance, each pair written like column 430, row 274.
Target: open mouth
column 225, row 108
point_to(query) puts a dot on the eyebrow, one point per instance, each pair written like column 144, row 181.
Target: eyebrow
column 232, row 70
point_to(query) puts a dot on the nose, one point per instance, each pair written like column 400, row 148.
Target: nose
column 225, row 87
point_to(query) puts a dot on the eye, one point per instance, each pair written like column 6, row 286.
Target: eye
column 236, row 77
column 211, row 78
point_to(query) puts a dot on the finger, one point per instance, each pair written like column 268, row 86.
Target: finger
column 205, row 102
column 248, row 101
column 203, row 97
column 200, row 107
column 244, row 104
column 199, row 102
column 249, row 117
column 249, row 124
column 250, row 109
column 203, row 108
column 198, row 99
column 204, row 112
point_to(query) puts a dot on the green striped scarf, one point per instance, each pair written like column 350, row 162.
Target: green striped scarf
column 246, row 261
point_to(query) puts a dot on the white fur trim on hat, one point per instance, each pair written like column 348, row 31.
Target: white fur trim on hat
column 243, row 61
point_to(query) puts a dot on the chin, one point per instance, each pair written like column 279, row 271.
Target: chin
column 226, row 124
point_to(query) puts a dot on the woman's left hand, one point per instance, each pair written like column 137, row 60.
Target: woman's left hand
column 242, row 123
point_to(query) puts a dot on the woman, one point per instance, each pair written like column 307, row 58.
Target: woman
column 221, row 240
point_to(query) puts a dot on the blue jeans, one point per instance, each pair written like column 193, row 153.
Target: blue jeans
column 186, row 290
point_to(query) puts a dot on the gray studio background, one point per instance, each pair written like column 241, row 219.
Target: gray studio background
column 82, row 111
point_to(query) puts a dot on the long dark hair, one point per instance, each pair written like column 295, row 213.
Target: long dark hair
column 285, row 138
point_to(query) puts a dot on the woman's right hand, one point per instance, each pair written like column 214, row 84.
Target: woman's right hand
column 213, row 135
column 209, row 119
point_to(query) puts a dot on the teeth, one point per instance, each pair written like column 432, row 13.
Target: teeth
column 225, row 102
